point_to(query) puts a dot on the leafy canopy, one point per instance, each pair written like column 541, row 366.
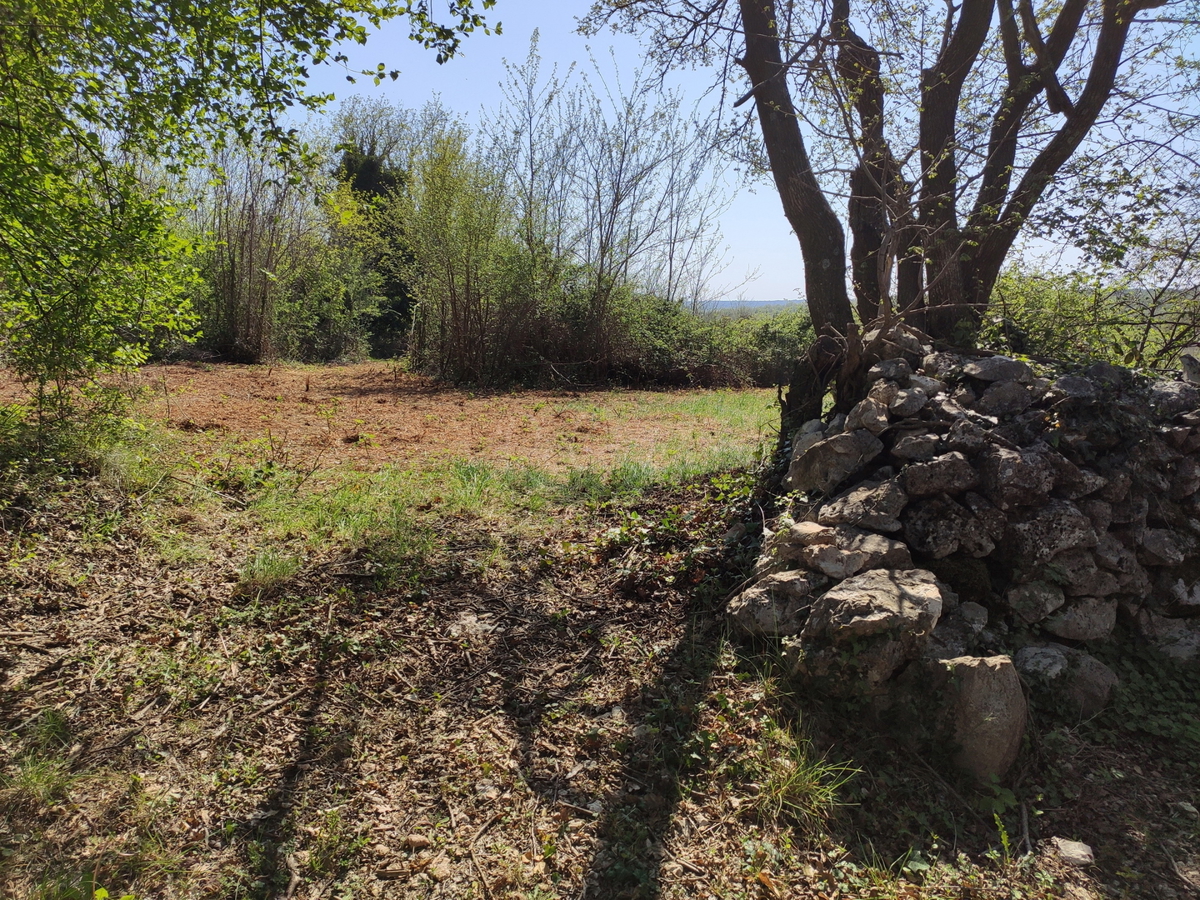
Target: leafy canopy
column 95, row 93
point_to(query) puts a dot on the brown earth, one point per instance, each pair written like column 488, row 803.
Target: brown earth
column 551, row 711
column 372, row 413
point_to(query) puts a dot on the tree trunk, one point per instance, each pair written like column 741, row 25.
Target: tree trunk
column 822, row 241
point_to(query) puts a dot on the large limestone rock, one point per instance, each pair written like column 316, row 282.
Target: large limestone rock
column 985, row 707
column 1169, row 398
column 1040, row 533
column 1178, row 638
column 1034, row 601
column 1077, row 678
column 777, row 605
column 1004, row 399
column 828, row 463
column 832, row 561
column 870, row 414
column 919, row 446
column 998, row 368
column 1014, row 478
column 874, row 506
column 939, row 526
column 884, row 614
column 950, row 473
column 881, row 552
column 1086, row 619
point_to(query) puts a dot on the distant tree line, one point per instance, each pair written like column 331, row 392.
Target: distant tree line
column 572, row 237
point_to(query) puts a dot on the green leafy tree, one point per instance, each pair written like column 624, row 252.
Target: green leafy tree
column 88, row 267
column 912, row 142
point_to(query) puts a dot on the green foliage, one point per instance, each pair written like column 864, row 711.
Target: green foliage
column 1086, row 316
column 1156, row 696
column 89, row 269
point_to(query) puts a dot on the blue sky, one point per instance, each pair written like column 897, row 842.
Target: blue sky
column 754, row 228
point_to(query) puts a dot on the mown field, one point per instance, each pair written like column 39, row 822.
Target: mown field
column 342, row 632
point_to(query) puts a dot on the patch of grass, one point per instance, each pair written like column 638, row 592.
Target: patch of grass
column 335, row 845
column 796, row 783
column 266, row 573
column 39, row 781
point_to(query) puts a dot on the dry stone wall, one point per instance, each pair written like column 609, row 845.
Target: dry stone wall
column 983, row 522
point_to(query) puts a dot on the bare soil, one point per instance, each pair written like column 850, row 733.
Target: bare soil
column 374, row 413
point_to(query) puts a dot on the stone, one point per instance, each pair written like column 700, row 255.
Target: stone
column 946, row 408
column 882, row 552
column 1159, row 547
column 1177, row 638
column 1077, row 572
column 869, row 414
column 1113, row 554
column 886, row 613
column 1012, row 478
column 1186, row 479
column 931, row 386
column 812, row 426
column 1086, row 619
column 1042, row 663
column 896, row 342
column 998, row 368
column 802, row 443
column 833, row 561
column 892, row 369
column 938, row 527
column 1034, row 601
column 884, row 392
column 1117, row 488
column 828, row 463
column 1098, row 512
column 1089, row 684
column 941, row 363
column 956, row 632
column 993, row 521
column 1074, row 853
column 1170, row 398
column 1181, row 600
column 1004, row 399
column 964, row 396
column 776, row 606
column 1072, row 387
column 1041, row 533
column 1069, row 480
column 874, row 506
column 806, row 534
column 1107, row 375
column 908, row 403
column 917, row 447
column 1084, row 484
column 947, row 474
column 988, row 711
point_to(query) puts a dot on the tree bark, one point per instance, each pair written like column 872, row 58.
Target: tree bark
column 947, row 294
column 822, row 241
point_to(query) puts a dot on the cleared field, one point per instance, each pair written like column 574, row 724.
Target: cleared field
column 373, row 414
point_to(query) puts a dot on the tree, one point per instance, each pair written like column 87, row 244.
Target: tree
column 88, row 87
column 939, row 127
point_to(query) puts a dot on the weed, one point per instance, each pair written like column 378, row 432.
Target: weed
column 335, row 844
column 39, row 781
column 795, row 782
column 266, row 573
